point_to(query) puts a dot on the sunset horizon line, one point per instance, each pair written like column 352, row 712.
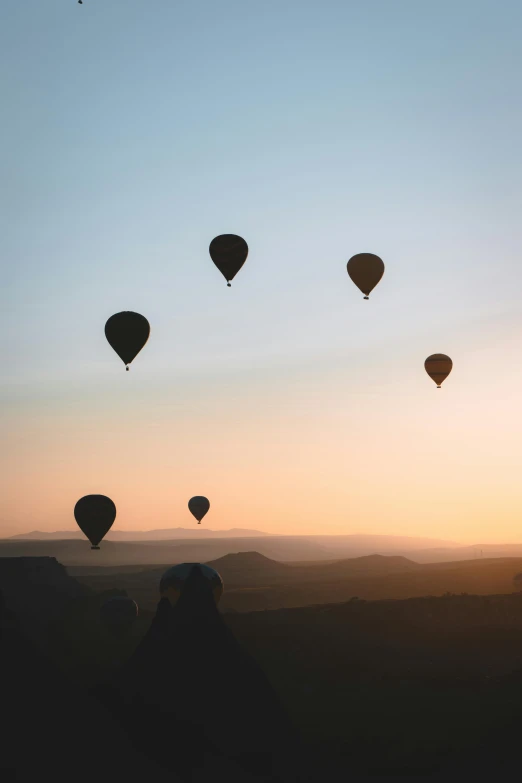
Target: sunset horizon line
column 471, row 543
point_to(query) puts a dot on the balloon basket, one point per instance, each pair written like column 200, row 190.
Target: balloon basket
column 95, row 547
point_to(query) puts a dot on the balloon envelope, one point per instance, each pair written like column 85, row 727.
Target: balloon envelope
column 438, row 366
column 95, row 515
column 365, row 269
column 119, row 613
column 198, row 506
column 229, row 252
column 127, row 333
column 173, row 580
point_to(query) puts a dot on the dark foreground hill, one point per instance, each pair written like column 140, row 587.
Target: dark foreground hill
column 38, row 590
column 422, row 687
column 378, row 689
column 64, row 717
column 51, row 727
column 425, row 688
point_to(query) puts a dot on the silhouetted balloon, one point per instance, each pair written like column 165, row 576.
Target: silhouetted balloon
column 173, row 580
column 229, row 252
column 95, row 515
column 365, row 269
column 438, row 366
column 198, row 507
column 119, row 613
column 127, row 333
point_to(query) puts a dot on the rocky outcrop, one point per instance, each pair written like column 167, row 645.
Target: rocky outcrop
column 52, row 728
column 37, row 590
column 190, row 678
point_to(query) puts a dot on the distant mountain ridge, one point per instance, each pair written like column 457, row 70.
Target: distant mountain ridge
column 199, row 544
column 160, row 534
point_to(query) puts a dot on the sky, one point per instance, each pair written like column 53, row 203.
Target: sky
column 133, row 133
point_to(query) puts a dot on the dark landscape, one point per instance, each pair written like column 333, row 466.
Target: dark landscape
column 385, row 666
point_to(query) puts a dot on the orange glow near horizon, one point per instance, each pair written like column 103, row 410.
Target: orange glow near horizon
column 311, row 453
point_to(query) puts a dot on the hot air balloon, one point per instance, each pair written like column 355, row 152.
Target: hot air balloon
column 365, row 269
column 229, row 252
column 118, row 614
column 127, row 333
column 438, row 366
column 95, row 515
column 198, row 507
column 173, row 580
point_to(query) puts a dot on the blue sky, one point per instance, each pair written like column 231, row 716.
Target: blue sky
column 135, row 131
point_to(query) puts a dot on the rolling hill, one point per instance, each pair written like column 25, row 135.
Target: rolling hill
column 254, row 582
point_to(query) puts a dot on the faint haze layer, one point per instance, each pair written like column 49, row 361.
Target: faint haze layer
column 134, row 133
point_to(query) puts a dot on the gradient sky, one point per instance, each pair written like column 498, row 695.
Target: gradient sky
column 133, row 133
